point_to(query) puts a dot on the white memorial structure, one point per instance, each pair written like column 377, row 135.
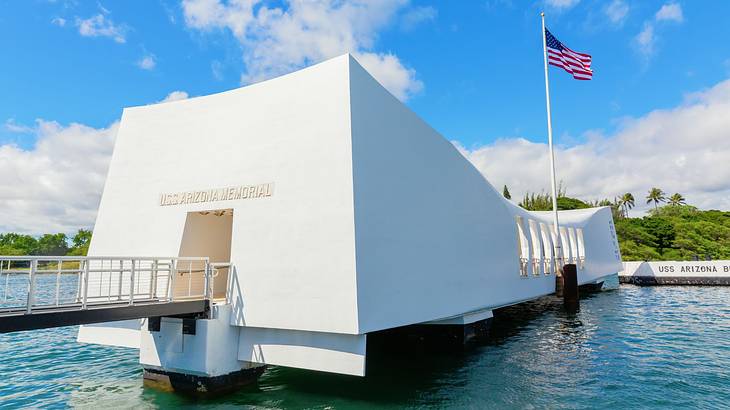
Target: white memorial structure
column 340, row 212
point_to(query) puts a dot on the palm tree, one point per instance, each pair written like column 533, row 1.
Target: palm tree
column 626, row 202
column 656, row 195
column 677, row 199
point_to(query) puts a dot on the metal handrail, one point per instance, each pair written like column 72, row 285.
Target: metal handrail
column 91, row 258
column 103, row 280
column 215, row 268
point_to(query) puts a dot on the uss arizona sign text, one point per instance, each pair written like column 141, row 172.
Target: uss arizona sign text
column 217, row 194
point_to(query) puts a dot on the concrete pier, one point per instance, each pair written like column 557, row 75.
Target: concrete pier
column 700, row 273
column 437, row 336
column 195, row 385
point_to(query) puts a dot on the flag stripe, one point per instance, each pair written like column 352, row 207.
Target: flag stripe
column 553, row 54
column 568, row 65
column 582, row 56
column 571, row 69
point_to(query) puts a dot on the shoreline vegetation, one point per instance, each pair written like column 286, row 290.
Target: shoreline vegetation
column 58, row 244
column 672, row 231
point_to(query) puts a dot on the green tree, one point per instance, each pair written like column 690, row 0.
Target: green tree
column 9, row 250
column 656, row 196
column 80, row 243
column 565, row 202
column 677, row 199
column 17, row 244
column 662, row 230
column 52, row 244
column 537, row 202
column 505, row 192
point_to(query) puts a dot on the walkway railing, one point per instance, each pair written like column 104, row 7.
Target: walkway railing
column 220, row 280
column 41, row 282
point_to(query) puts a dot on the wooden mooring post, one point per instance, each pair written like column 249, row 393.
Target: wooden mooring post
column 571, row 298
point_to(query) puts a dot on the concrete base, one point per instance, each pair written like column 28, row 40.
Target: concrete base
column 194, row 385
column 586, row 288
column 676, row 280
column 429, row 337
column 591, row 287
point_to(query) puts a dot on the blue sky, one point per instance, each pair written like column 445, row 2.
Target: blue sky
column 480, row 63
column 472, row 69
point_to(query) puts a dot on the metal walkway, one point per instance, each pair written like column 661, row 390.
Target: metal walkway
column 38, row 292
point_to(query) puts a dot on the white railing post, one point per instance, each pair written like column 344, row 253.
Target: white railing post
column 7, row 280
column 85, row 291
column 109, row 285
column 153, row 279
column 31, row 286
column 207, row 280
column 131, row 284
column 190, row 277
column 121, row 278
column 229, row 283
column 58, row 282
column 79, row 279
column 171, row 282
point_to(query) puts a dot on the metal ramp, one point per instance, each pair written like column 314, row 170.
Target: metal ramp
column 38, row 292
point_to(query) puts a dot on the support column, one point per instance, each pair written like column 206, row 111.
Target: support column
column 571, row 298
column 195, row 356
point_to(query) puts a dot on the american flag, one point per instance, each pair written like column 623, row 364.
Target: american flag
column 577, row 64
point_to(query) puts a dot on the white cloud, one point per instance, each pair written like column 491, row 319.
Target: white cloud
column 670, row 12
column 60, row 22
column 147, row 62
column 561, row 4
column 102, row 8
column 616, row 11
column 216, row 68
column 170, row 13
column 56, row 185
column 684, row 149
column 101, row 26
column 278, row 40
column 645, row 40
column 175, row 96
column 418, row 15
column 391, row 73
column 13, row 126
column 211, row 14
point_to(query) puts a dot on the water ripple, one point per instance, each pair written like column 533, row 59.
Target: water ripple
column 633, row 347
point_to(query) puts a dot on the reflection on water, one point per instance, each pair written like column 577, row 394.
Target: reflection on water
column 628, row 348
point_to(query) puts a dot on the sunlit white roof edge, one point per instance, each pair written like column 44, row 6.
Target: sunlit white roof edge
column 238, row 89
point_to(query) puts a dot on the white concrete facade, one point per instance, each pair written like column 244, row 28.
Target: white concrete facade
column 356, row 216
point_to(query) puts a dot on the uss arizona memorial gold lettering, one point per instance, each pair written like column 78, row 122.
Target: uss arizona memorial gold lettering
column 217, row 194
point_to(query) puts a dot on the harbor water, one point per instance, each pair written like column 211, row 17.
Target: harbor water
column 631, row 347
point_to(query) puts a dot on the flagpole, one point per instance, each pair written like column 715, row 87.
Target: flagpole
column 558, row 250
